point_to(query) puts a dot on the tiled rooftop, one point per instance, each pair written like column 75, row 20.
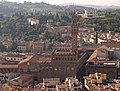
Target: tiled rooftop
column 36, row 59
column 26, row 60
column 14, row 55
column 23, row 77
column 95, row 58
column 63, row 52
column 2, row 66
column 62, row 86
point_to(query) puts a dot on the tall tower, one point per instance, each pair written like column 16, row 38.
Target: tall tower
column 74, row 32
column 96, row 38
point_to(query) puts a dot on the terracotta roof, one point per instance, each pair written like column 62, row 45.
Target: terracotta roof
column 48, row 53
column 38, row 87
column 60, row 86
column 51, row 79
column 71, row 78
column 115, row 86
column 36, row 59
column 45, row 59
column 93, row 56
column 22, row 77
column 14, row 55
column 26, row 60
column 8, row 66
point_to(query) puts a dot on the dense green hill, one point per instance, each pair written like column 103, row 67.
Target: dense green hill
column 9, row 8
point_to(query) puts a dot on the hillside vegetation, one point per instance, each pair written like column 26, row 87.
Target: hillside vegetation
column 9, row 8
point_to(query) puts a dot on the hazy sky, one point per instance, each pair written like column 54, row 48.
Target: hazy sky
column 94, row 2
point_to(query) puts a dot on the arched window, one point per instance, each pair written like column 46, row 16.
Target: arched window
column 68, row 58
column 56, row 58
column 74, row 58
column 65, row 58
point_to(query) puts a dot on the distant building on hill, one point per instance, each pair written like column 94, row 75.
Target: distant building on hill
column 23, row 46
column 38, row 47
column 32, row 21
column 89, row 13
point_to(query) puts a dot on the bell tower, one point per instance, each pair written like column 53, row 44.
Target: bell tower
column 74, row 32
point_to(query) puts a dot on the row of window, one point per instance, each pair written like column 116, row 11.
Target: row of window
column 58, row 68
column 22, row 48
column 17, row 59
column 64, row 53
column 54, row 69
column 68, row 58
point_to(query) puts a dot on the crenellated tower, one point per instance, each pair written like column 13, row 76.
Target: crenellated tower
column 74, row 32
